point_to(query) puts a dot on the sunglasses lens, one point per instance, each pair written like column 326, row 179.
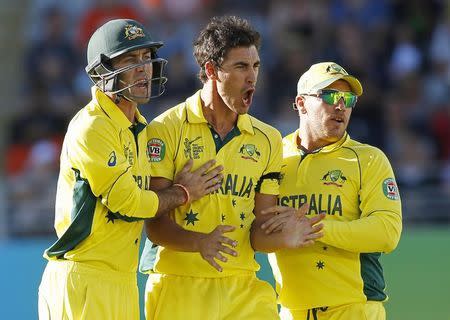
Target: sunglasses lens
column 329, row 98
column 333, row 97
column 349, row 100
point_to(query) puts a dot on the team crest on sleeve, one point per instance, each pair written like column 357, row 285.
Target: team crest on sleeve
column 390, row 189
column 156, row 149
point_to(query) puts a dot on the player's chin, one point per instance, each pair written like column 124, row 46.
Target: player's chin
column 141, row 96
column 141, row 99
column 243, row 108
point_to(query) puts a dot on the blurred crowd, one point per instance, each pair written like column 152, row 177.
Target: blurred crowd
column 399, row 49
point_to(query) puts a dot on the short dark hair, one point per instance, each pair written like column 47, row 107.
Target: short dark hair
column 219, row 36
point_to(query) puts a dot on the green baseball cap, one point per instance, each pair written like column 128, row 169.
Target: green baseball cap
column 321, row 75
column 117, row 37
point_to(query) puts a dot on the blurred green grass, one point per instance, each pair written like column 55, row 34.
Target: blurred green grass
column 418, row 275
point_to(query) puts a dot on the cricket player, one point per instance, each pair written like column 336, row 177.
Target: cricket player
column 205, row 266
column 103, row 192
column 340, row 276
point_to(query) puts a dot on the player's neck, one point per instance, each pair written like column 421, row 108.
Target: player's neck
column 308, row 141
column 218, row 115
column 129, row 108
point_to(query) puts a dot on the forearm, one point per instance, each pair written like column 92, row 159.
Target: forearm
column 379, row 232
column 167, row 233
column 170, row 198
column 261, row 241
column 145, row 204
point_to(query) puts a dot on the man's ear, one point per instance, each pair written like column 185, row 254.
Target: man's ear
column 211, row 70
column 300, row 104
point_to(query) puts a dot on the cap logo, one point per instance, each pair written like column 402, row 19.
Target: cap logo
column 335, row 68
column 132, row 32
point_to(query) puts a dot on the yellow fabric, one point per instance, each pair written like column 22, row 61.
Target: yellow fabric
column 74, row 291
column 228, row 298
column 101, row 146
column 347, row 180
column 184, row 133
column 370, row 310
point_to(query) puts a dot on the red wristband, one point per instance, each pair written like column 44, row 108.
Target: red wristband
column 186, row 192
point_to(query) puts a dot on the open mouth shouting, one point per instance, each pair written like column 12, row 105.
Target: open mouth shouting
column 248, row 96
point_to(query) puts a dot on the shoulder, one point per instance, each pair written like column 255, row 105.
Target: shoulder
column 91, row 121
column 367, row 154
column 290, row 143
column 175, row 115
column 265, row 129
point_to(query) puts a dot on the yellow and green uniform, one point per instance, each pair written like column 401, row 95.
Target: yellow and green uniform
column 354, row 185
column 102, row 196
column 251, row 155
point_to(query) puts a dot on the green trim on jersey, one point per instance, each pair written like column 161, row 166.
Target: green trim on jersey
column 372, row 274
column 136, row 129
column 219, row 142
column 82, row 216
column 118, row 215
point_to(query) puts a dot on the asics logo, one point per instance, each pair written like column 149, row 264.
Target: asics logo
column 112, row 159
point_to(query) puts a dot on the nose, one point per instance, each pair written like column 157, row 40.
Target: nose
column 145, row 67
column 252, row 76
column 340, row 105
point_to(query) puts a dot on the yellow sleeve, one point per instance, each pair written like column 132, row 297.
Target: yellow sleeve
column 161, row 131
column 96, row 151
column 380, row 224
column 379, row 232
column 270, row 183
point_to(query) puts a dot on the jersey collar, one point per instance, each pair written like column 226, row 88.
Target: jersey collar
column 112, row 110
column 337, row 144
column 295, row 140
column 195, row 114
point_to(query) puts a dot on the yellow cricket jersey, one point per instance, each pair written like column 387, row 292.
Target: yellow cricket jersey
column 354, row 185
column 251, row 155
column 103, row 188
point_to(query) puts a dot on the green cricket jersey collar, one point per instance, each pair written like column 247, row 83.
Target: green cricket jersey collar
column 111, row 109
column 195, row 114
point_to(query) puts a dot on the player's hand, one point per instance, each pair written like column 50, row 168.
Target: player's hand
column 202, row 181
column 296, row 229
column 214, row 245
column 281, row 215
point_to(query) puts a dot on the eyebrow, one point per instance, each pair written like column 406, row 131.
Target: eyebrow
column 243, row 63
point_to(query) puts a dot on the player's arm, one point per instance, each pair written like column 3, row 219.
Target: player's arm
column 192, row 184
column 379, row 227
column 99, row 162
column 276, row 227
column 378, row 232
column 296, row 230
column 165, row 232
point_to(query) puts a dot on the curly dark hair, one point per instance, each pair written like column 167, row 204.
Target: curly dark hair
column 219, row 36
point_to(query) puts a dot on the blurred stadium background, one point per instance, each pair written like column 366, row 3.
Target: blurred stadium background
column 400, row 50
